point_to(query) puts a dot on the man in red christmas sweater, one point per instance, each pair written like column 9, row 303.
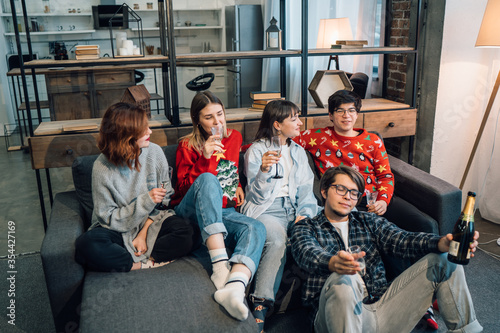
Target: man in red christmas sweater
column 342, row 144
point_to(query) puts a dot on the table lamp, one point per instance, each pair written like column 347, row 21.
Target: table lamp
column 488, row 36
column 331, row 30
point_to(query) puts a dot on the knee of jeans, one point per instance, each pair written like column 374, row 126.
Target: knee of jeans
column 440, row 261
column 276, row 236
column 342, row 287
column 207, row 178
column 255, row 231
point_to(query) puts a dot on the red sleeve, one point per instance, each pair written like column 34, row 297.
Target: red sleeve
column 190, row 164
column 383, row 173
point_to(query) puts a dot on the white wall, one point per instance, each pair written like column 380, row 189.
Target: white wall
column 6, row 113
column 467, row 76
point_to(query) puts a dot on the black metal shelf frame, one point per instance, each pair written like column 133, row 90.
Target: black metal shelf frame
column 169, row 59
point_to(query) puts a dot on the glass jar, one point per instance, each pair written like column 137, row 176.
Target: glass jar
column 46, row 6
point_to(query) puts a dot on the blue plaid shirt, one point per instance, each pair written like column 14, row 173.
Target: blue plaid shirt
column 315, row 241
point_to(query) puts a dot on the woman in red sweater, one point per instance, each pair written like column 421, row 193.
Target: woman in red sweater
column 207, row 191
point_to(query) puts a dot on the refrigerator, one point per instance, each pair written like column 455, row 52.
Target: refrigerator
column 244, row 32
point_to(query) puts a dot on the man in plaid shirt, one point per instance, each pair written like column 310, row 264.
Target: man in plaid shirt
column 344, row 300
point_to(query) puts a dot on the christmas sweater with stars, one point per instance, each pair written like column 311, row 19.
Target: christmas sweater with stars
column 224, row 165
column 365, row 153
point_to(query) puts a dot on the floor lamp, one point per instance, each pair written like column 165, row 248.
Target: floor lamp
column 489, row 36
column 331, row 30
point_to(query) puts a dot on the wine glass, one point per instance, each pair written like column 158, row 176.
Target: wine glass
column 164, row 184
column 356, row 249
column 371, row 197
column 217, row 130
column 276, row 147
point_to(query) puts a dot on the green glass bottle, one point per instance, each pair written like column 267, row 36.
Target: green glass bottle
column 463, row 233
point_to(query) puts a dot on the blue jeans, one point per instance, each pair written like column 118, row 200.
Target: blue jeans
column 276, row 219
column 203, row 205
column 403, row 304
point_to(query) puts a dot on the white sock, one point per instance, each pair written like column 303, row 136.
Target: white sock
column 220, row 267
column 232, row 296
column 152, row 264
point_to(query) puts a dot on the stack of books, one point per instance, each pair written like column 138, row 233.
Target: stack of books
column 87, row 52
column 261, row 98
column 350, row 44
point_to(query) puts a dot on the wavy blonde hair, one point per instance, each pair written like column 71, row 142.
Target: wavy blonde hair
column 196, row 139
column 122, row 125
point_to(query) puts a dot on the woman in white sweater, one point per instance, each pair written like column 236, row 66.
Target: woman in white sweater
column 276, row 202
column 128, row 232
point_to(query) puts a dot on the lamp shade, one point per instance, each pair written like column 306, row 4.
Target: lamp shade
column 489, row 33
column 331, row 30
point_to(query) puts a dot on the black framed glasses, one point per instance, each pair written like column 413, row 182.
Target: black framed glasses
column 342, row 190
column 349, row 111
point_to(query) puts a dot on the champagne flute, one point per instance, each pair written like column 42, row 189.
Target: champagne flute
column 371, row 197
column 356, row 249
column 276, row 147
column 217, row 130
column 164, row 184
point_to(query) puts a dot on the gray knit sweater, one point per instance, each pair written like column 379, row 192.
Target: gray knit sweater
column 121, row 197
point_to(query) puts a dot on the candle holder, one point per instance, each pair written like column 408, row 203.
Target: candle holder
column 273, row 36
column 125, row 48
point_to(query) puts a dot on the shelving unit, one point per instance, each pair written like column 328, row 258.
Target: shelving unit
column 173, row 61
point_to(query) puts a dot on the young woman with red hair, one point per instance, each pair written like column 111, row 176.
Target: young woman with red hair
column 128, row 232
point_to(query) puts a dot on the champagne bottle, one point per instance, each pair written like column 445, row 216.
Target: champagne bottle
column 463, row 233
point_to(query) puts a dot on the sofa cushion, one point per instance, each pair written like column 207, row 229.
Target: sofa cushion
column 174, row 298
column 82, row 179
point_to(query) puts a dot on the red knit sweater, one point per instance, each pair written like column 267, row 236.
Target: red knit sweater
column 190, row 164
column 365, row 153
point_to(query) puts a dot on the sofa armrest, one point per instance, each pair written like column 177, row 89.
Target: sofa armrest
column 63, row 275
column 433, row 196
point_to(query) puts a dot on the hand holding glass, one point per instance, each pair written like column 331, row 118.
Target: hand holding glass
column 276, row 147
column 371, row 197
column 217, row 130
column 356, row 249
column 164, row 184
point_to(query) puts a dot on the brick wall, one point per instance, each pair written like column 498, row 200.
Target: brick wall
column 398, row 36
column 395, row 70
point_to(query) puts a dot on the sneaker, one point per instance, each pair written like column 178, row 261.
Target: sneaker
column 430, row 320
column 435, row 305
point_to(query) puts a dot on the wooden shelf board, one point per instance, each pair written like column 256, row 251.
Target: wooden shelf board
column 47, row 33
column 43, row 105
column 49, row 63
column 87, row 125
column 361, row 50
column 367, row 105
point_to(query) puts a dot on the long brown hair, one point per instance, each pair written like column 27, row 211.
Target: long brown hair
column 197, row 138
column 277, row 110
column 122, row 125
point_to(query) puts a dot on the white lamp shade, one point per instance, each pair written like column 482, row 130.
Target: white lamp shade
column 331, row 30
column 489, row 33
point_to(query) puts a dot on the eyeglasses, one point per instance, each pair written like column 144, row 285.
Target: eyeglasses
column 342, row 190
column 341, row 112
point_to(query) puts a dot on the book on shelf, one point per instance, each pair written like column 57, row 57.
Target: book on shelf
column 265, row 101
column 83, row 52
column 265, row 95
column 87, row 47
column 87, row 56
column 87, row 50
column 352, row 43
column 259, row 106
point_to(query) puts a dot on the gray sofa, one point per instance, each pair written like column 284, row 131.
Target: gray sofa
column 179, row 297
